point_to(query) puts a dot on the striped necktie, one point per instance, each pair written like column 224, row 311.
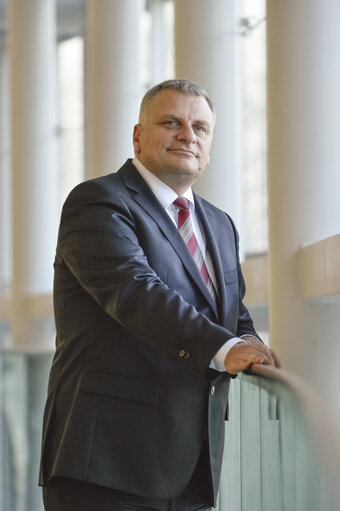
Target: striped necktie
column 186, row 230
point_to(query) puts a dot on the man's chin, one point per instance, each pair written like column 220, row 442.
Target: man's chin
column 187, row 170
column 185, row 165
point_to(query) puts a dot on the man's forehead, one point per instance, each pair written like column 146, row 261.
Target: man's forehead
column 172, row 103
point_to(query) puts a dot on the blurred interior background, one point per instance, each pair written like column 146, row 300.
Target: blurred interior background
column 72, row 74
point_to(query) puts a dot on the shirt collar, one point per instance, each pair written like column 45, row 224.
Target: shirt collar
column 163, row 192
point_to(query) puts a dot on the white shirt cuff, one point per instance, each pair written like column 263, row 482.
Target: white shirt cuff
column 218, row 361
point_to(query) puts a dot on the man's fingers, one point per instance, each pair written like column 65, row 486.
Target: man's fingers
column 276, row 359
column 264, row 353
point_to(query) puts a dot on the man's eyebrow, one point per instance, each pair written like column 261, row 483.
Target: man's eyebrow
column 206, row 123
column 171, row 116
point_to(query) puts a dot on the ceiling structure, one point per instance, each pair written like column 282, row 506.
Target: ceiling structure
column 70, row 18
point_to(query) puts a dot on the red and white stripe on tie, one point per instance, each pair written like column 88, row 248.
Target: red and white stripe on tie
column 186, row 230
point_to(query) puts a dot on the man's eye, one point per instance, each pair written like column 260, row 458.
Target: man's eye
column 171, row 123
column 200, row 128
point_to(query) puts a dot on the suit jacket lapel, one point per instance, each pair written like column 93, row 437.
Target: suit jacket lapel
column 147, row 200
column 207, row 221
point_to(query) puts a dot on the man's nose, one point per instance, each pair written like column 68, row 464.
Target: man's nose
column 187, row 133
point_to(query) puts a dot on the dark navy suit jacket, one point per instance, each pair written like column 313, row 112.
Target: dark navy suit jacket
column 129, row 401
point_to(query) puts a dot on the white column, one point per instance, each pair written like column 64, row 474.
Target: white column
column 5, row 237
column 112, row 78
column 304, row 179
column 32, row 41
column 158, row 42
column 205, row 51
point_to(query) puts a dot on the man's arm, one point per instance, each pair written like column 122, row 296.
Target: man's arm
column 99, row 244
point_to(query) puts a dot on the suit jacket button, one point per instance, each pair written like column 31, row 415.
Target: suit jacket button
column 184, row 354
column 212, row 390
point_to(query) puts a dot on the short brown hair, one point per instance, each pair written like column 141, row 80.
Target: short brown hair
column 183, row 86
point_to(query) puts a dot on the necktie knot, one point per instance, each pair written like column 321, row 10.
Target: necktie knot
column 181, row 203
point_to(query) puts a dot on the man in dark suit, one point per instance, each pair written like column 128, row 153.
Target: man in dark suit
column 150, row 325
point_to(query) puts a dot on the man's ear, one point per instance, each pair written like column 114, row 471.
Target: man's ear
column 136, row 136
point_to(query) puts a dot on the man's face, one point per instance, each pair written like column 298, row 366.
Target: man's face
column 174, row 142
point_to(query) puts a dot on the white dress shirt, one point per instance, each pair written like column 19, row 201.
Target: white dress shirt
column 166, row 197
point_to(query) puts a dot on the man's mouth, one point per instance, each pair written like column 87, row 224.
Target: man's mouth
column 182, row 151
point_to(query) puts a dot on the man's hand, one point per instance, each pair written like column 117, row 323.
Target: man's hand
column 242, row 356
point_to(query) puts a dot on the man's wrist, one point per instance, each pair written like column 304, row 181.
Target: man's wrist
column 251, row 339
